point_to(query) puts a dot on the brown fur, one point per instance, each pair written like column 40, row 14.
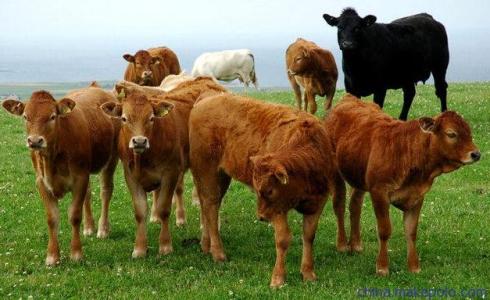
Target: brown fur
column 279, row 151
column 161, row 61
column 396, row 162
column 79, row 140
column 314, row 69
column 160, row 167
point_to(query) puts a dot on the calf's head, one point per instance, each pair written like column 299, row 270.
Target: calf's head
column 270, row 181
column 144, row 65
column 298, row 61
column 451, row 138
column 350, row 28
column 42, row 114
column 137, row 115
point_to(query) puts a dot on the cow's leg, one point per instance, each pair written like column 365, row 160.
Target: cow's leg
column 195, row 196
column 153, row 214
column 106, row 190
column 441, row 87
column 310, row 224
column 329, row 97
column 339, row 209
column 310, row 97
column 179, row 201
column 355, row 209
column 140, row 207
column 408, row 94
column 282, row 236
column 88, row 218
column 163, row 209
column 53, row 218
column 211, row 191
column 410, row 221
column 79, row 191
column 381, row 205
column 379, row 97
column 296, row 89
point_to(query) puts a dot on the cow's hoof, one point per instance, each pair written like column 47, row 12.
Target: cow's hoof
column 356, row 248
column 102, row 233
column 52, row 260
column 415, row 270
column 342, row 248
column 382, row 272
column 180, row 222
column 165, row 250
column 138, row 253
column 219, row 257
column 154, row 219
column 88, row 231
column 195, row 202
column 76, row 256
column 309, row 276
column 277, row 282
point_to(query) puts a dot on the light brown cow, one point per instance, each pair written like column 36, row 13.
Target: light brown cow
column 314, row 69
column 279, row 151
column 154, row 147
column 396, row 162
column 150, row 67
column 70, row 139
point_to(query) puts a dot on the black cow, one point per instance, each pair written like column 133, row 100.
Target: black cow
column 377, row 57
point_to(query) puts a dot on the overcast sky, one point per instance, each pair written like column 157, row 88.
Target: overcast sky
column 188, row 22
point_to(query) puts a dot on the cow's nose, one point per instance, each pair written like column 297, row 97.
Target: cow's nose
column 35, row 141
column 139, row 141
column 475, row 155
column 346, row 44
column 147, row 74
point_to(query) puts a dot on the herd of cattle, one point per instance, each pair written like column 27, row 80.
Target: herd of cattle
column 160, row 123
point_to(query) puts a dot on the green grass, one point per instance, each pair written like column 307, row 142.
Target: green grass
column 453, row 239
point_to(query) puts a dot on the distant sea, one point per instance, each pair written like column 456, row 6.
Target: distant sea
column 72, row 63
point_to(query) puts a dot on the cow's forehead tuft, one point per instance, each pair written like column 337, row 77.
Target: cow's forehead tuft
column 42, row 96
column 349, row 11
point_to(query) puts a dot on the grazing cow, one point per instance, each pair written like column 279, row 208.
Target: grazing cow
column 150, row 67
column 227, row 65
column 279, row 151
column 377, row 57
column 396, row 162
column 314, row 69
column 154, row 147
column 70, row 139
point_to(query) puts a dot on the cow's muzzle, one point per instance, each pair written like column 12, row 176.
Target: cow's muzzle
column 139, row 144
column 36, row 142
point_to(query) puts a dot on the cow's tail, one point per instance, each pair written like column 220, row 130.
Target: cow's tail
column 253, row 76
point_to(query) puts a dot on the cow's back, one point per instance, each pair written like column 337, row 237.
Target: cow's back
column 101, row 129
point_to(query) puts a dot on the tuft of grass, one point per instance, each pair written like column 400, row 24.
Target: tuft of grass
column 453, row 236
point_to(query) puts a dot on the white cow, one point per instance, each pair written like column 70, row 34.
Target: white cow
column 227, row 65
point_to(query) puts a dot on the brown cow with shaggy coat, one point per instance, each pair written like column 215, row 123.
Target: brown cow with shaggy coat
column 281, row 152
column 314, row 69
column 154, row 147
column 396, row 162
column 70, row 139
column 150, row 67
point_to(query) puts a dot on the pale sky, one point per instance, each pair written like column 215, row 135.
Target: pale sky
column 188, row 22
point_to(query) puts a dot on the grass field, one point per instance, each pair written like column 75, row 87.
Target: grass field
column 453, row 239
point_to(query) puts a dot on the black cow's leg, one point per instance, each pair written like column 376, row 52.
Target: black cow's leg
column 441, row 88
column 408, row 94
column 379, row 97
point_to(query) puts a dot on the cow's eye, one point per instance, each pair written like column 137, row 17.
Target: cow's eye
column 451, row 134
column 124, row 119
column 152, row 118
column 53, row 116
column 25, row 117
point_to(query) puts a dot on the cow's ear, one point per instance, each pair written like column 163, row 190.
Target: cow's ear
column 369, row 20
column 427, row 124
column 112, row 109
column 332, row 21
column 155, row 60
column 14, row 107
column 65, row 106
column 128, row 58
column 162, row 108
column 281, row 175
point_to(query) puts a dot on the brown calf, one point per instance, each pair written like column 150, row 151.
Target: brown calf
column 150, row 67
column 154, row 147
column 314, row 69
column 70, row 139
column 396, row 162
column 281, row 152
